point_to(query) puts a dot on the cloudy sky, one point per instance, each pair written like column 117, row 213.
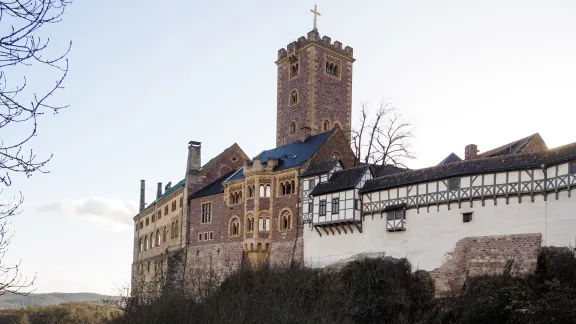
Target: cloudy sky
column 146, row 78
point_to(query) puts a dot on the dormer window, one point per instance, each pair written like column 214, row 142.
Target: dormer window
column 293, row 97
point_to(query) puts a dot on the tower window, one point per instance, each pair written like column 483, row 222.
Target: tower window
column 332, row 66
column 293, row 97
column 294, row 69
column 293, row 128
column 326, row 125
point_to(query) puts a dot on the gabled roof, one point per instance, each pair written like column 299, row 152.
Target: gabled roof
column 320, row 168
column 295, row 153
column 384, row 170
column 165, row 194
column 515, row 147
column 218, row 155
column 476, row 166
column 340, row 180
column 212, row 188
column 451, row 159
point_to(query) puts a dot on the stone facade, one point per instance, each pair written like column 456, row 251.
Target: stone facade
column 487, row 255
column 319, row 73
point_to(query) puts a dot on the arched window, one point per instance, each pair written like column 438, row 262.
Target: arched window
column 145, row 243
column 293, row 97
column 235, row 227
column 267, row 224
column 293, row 186
column 267, row 191
column 164, row 235
column 293, row 128
column 326, row 125
column 249, row 224
column 261, row 224
column 176, row 229
column 336, row 125
column 262, row 191
column 141, row 245
column 152, row 240
column 147, row 221
column 158, row 241
column 285, row 220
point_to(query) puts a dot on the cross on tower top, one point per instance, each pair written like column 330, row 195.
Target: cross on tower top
column 316, row 14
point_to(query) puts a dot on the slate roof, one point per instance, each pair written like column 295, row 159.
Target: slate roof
column 212, row 188
column 384, row 170
column 165, row 194
column 292, row 154
column 320, row 168
column 515, row 147
column 451, row 159
column 477, row 166
column 340, row 180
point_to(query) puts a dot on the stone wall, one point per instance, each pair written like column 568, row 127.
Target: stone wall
column 486, row 255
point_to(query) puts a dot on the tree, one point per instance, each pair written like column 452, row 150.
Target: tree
column 384, row 138
column 24, row 51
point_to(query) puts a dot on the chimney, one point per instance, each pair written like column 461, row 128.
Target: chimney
column 142, row 192
column 194, row 149
column 470, row 152
column 159, row 190
column 305, row 133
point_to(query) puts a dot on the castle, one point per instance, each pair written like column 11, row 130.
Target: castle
column 308, row 200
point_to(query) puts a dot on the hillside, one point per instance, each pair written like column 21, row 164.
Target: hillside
column 16, row 301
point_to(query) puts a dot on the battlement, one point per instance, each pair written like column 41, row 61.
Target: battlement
column 314, row 38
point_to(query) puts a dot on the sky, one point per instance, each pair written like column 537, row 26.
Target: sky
column 146, row 78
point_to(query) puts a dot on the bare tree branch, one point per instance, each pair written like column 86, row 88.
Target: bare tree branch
column 385, row 140
column 21, row 50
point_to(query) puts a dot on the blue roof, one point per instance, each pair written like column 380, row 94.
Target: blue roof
column 451, row 159
column 239, row 174
column 295, row 153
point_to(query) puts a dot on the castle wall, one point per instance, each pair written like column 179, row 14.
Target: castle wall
column 431, row 236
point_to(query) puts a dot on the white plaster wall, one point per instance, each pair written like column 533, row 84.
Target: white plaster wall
column 430, row 235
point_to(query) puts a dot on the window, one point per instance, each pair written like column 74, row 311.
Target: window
column 235, row 198
column 358, row 204
column 294, row 67
column 293, row 128
column 145, row 243
column 293, row 97
column 466, row 217
column 573, row 167
column 211, row 236
column 454, row 184
column 164, row 234
column 174, row 205
column 181, row 201
column 141, row 224
column 141, row 246
column 152, row 240
column 206, row 213
column 322, row 207
column 264, row 224
column 251, row 191
column 310, row 206
column 159, row 215
column 312, row 184
column 264, row 190
column 158, row 238
column 326, row 126
column 166, row 210
column 332, row 69
column 153, row 218
column 396, row 219
column 176, row 230
column 235, row 227
column 293, row 186
column 250, row 224
column 285, row 220
column 205, row 236
column 172, row 230
column 335, row 205
column 147, row 221
column 199, row 237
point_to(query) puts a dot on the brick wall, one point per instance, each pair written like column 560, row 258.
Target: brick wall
column 336, row 143
column 220, row 220
column 486, row 255
column 222, row 258
column 536, row 145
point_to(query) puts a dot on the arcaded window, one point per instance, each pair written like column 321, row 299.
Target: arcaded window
column 294, row 69
column 285, row 220
column 293, row 97
column 293, row 186
column 235, row 227
column 206, row 213
column 326, row 126
column 249, row 224
column 293, row 128
column 264, row 223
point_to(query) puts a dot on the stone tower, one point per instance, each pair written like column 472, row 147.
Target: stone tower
column 314, row 88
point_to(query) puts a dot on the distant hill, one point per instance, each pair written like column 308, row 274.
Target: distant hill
column 15, row 301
